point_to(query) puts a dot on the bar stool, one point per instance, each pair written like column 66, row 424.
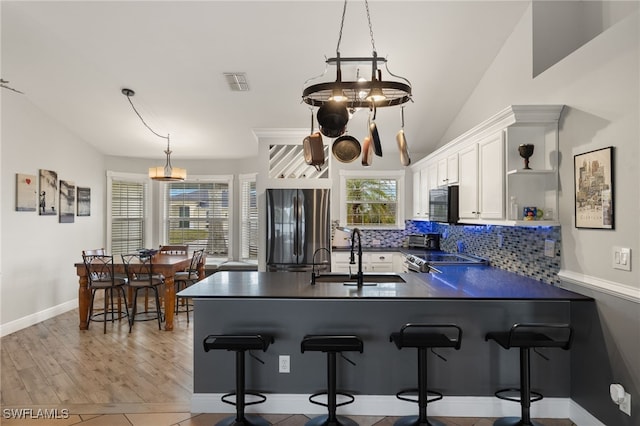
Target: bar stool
column 240, row 344
column 332, row 345
column 424, row 337
column 526, row 337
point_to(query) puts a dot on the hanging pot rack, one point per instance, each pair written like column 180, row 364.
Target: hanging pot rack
column 388, row 92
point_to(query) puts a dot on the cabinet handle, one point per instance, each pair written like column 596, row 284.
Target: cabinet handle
column 381, row 257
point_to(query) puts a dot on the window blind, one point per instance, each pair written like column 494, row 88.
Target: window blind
column 198, row 215
column 249, row 221
column 127, row 216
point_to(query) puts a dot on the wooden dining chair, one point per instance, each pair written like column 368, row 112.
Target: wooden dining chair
column 139, row 268
column 187, row 278
column 101, row 276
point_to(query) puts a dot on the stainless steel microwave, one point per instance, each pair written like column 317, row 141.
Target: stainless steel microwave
column 443, row 204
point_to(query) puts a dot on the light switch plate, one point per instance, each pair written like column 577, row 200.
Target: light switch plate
column 549, row 248
column 621, row 258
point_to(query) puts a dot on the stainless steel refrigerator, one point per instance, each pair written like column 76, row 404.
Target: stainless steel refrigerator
column 298, row 227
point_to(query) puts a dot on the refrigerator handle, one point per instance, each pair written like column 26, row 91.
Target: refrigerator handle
column 300, row 224
column 296, row 233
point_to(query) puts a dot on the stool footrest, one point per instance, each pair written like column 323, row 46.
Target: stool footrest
column 351, row 399
column 401, row 395
column 535, row 396
column 225, row 398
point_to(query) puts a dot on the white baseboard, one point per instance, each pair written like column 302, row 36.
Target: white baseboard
column 389, row 405
column 612, row 288
column 29, row 320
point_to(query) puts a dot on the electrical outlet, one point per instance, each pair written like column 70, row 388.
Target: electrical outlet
column 621, row 258
column 549, row 248
column 500, row 240
column 284, row 365
column 625, row 405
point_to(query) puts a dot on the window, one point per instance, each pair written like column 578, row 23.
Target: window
column 197, row 213
column 372, row 199
column 127, row 207
column 248, row 218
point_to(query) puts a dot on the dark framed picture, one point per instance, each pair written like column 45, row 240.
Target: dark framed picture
column 84, row 201
column 48, row 196
column 594, row 189
column 67, row 201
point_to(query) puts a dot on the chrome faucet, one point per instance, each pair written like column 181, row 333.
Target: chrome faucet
column 313, row 264
column 352, row 260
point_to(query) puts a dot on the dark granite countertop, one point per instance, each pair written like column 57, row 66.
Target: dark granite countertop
column 455, row 283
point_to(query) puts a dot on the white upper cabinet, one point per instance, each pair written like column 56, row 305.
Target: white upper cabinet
column 468, row 182
column 485, row 163
column 491, row 177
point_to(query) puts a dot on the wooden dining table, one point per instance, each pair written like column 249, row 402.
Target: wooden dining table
column 165, row 264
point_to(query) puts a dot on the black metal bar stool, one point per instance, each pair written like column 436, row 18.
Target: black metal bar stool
column 526, row 337
column 240, row 344
column 332, row 345
column 424, row 337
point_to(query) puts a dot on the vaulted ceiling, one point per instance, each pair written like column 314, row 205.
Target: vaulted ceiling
column 71, row 59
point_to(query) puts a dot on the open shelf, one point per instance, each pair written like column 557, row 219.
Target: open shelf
column 530, row 172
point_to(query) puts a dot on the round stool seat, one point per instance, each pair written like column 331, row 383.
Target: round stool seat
column 329, row 343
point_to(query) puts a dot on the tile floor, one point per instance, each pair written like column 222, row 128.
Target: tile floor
column 190, row 419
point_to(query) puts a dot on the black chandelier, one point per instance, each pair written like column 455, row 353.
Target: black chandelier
column 359, row 92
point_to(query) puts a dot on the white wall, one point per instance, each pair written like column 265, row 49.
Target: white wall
column 599, row 83
column 38, row 253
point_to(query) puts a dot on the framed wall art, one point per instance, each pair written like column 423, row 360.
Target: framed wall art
column 594, row 189
column 48, row 196
column 67, row 201
column 84, row 201
column 26, row 193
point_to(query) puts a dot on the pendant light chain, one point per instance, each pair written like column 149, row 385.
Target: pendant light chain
column 373, row 43
column 344, row 12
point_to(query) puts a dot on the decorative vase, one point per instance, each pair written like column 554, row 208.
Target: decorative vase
column 526, row 151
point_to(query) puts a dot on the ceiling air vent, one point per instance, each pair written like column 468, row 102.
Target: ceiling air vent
column 237, row 81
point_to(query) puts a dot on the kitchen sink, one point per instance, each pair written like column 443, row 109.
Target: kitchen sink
column 368, row 279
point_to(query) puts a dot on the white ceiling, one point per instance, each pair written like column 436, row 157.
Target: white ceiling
column 72, row 59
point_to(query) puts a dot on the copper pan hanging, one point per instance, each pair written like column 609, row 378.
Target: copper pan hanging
column 313, row 148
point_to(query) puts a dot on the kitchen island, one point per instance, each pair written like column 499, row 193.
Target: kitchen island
column 284, row 304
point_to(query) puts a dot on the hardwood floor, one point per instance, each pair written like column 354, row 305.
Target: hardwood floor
column 55, row 370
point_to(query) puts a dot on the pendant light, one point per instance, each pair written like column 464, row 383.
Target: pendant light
column 166, row 173
column 378, row 92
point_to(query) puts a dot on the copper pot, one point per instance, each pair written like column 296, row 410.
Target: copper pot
column 313, row 150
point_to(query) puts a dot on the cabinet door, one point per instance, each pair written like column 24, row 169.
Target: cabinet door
column 443, row 179
column 452, row 168
column 468, row 182
column 424, row 193
column 492, row 177
column 381, row 262
column 417, row 195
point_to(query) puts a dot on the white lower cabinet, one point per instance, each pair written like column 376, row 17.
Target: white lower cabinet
column 371, row 262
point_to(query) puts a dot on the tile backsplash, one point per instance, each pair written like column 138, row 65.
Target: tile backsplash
column 515, row 249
